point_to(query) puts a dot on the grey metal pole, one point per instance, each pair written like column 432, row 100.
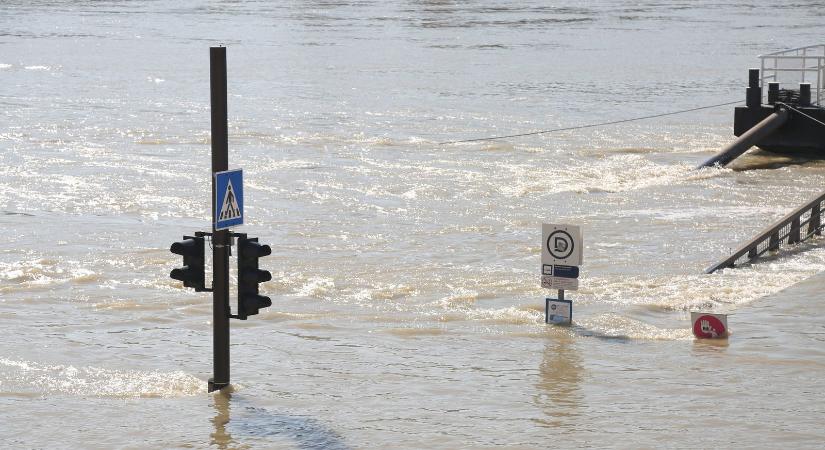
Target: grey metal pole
column 748, row 139
column 561, row 294
column 220, row 239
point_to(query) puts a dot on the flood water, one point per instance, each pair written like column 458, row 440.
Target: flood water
column 407, row 310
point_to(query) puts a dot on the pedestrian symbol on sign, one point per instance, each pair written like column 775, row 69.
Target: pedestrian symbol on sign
column 230, row 210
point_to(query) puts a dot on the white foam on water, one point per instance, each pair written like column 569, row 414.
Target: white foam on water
column 297, row 164
column 316, row 287
column 43, row 272
column 615, row 173
column 459, row 296
column 317, row 139
column 723, row 291
column 22, row 377
column 510, row 315
column 615, row 326
column 380, row 291
column 705, row 215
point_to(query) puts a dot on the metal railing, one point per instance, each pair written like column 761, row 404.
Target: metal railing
column 794, row 66
column 784, row 232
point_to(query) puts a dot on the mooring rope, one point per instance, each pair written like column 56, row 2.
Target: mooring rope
column 591, row 125
column 800, row 112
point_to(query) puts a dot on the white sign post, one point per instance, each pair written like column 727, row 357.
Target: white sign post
column 561, row 256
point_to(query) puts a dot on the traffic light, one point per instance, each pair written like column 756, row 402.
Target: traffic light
column 249, row 276
column 192, row 273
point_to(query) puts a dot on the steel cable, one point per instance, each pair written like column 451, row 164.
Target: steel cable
column 592, row 125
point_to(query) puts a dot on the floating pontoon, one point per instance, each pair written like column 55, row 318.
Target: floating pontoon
column 788, row 118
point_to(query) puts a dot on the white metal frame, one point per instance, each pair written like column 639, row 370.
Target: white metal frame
column 808, row 63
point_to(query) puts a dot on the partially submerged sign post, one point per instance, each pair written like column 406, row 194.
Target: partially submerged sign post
column 561, row 255
column 227, row 212
column 221, row 240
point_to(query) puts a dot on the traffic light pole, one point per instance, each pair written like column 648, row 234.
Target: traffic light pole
column 221, row 243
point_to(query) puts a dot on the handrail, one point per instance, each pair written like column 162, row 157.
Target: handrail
column 794, row 50
column 787, row 230
column 807, row 63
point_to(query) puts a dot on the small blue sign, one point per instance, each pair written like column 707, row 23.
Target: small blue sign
column 228, row 199
column 565, row 271
column 560, row 271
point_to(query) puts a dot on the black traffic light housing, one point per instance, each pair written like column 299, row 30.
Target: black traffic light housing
column 193, row 271
column 250, row 276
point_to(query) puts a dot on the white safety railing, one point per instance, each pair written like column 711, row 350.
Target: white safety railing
column 794, row 66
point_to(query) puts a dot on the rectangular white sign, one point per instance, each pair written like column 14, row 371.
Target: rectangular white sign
column 561, row 244
column 567, row 284
column 558, row 311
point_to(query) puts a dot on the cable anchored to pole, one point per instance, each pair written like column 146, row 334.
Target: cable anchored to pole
column 800, row 112
column 592, row 125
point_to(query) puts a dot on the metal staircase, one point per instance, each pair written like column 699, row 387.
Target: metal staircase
column 797, row 226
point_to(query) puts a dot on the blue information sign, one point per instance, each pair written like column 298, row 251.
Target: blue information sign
column 565, row 271
column 559, row 270
column 228, row 199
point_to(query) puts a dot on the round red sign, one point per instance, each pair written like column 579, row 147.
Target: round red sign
column 709, row 327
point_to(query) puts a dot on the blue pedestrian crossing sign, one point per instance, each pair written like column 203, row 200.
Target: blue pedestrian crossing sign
column 228, row 199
